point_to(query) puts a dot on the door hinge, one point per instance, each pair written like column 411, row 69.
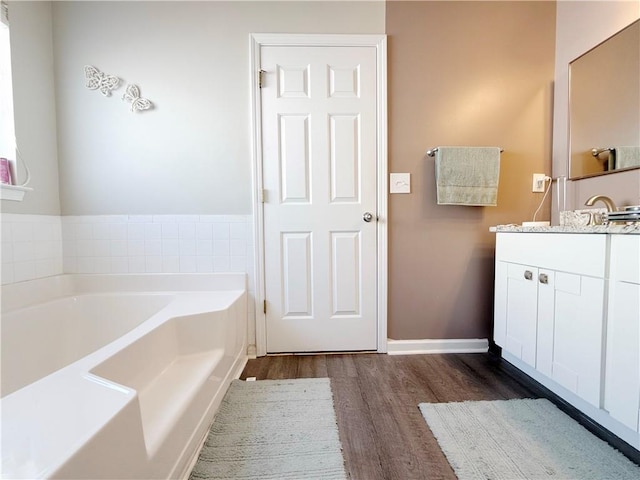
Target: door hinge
column 263, row 195
column 261, row 78
column 264, row 306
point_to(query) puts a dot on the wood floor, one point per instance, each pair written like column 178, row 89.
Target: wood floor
column 383, row 434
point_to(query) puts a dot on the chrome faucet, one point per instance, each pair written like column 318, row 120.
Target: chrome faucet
column 611, row 206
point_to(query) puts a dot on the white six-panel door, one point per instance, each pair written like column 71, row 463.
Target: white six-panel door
column 318, row 116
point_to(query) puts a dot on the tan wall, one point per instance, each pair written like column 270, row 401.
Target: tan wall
column 462, row 73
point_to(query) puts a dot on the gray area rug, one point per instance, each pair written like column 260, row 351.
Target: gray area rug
column 273, row 429
column 521, row 439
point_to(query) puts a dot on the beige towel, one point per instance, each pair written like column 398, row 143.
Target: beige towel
column 467, row 175
column 626, row 157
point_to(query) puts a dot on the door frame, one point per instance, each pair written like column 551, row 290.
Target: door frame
column 380, row 43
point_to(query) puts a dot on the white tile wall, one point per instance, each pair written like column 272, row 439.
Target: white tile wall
column 158, row 243
column 31, row 247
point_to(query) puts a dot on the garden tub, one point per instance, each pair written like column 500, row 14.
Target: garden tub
column 116, row 376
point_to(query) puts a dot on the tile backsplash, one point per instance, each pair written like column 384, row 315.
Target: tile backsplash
column 35, row 246
column 31, row 247
column 158, row 244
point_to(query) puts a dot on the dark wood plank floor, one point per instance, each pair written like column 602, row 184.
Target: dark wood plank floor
column 383, row 433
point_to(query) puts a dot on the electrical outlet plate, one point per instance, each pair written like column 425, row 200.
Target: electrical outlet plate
column 538, row 183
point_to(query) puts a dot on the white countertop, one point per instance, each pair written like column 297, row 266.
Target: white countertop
column 632, row 228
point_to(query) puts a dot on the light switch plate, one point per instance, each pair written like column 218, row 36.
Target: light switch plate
column 400, row 183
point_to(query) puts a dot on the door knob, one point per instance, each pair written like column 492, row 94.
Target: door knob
column 367, row 217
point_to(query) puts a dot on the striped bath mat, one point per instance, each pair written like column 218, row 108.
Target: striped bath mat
column 521, row 439
column 273, row 429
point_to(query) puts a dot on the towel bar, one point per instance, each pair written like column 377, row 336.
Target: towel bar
column 432, row 152
column 597, row 151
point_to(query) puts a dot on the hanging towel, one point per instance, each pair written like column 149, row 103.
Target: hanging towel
column 467, row 175
column 626, row 157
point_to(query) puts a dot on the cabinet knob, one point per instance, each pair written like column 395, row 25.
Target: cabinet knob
column 544, row 278
column 528, row 274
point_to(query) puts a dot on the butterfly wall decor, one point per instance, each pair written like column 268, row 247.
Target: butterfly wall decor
column 97, row 80
column 132, row 95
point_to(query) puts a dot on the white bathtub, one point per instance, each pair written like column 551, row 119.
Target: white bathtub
column 116, row 376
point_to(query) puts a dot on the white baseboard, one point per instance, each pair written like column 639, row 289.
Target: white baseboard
column 424, row 346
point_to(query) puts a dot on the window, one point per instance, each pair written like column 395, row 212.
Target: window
column 7, row 128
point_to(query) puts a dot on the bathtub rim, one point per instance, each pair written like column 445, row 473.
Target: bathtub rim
column 14, row 296
column 166, row 314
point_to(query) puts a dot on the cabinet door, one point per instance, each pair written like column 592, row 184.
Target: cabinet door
column 622, row 379
column 521, row 311
column 578, row 334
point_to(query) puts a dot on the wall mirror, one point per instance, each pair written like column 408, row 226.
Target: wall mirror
column 604, row 106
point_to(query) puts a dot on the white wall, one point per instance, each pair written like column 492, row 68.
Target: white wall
column 191, row 154
column 581, row 25
column 34, row 106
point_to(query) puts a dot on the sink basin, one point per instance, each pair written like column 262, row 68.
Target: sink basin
column 580, row 218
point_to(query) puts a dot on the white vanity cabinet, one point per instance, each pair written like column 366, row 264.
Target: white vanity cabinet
column 549, row 305
column 567, row 313
column 622, row 379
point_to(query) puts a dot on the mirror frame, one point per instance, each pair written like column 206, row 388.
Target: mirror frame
column 569, row 143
